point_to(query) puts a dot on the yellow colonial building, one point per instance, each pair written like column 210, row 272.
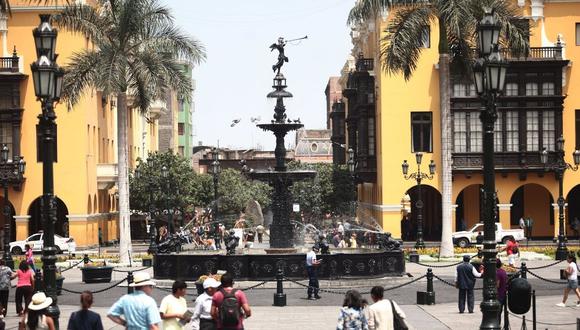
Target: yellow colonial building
column 389, row 119
column 85, row 173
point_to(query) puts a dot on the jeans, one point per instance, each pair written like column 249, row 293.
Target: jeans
column 4, row 300
column 312, row 281
column 470, row 300
column 218, row 243
column 26, row 293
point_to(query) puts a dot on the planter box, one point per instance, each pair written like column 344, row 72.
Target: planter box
column 97, row 274
column 147, row 262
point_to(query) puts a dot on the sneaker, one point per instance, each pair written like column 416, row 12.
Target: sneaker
column 317, row 297
column 561, row 305
column 311, row 298
column 578, row 304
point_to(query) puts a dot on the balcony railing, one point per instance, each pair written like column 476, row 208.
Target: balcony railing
column 535, row 54
column 365, row 64
column 527, row 161
column 9, row 64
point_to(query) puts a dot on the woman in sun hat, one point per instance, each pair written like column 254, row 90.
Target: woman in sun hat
column 35, row 317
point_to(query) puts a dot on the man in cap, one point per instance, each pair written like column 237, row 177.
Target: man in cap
column 311, row 263
column 139, row 310
column 202, row 318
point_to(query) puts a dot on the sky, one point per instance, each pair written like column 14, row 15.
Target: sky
column 234, row 80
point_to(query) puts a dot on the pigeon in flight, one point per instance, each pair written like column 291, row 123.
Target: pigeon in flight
column 235, row 122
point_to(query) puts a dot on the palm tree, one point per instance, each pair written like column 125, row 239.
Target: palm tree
column 135, row 58
column 401, row 48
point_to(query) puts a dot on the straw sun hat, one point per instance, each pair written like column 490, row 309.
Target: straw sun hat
column 39, row 301
column 141, row 279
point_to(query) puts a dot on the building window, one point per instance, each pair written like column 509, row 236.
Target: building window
column 371, row 136
column 511, row 89
column 180, row 128
column 548, row 130
column 421, row 126
column 512, row 131
column 531, row 89
column 498, row 133
column 460, row 132
column 464, row 90
column 577, row 34
column 548, row 88
column 426, row 37
column 6, row 137
column 532, row 131
column 475, row 133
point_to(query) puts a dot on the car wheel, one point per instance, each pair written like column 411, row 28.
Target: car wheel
column 462, row 243
column 506, row 239
column 58, row 250
column 16, row 250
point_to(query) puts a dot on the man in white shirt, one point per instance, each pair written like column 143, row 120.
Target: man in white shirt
column 173, row 308
column 311, row 264
column 202, row 319
column 380, row 314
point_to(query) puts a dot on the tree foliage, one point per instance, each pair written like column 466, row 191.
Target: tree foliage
column 236, row 191
column 331, row 191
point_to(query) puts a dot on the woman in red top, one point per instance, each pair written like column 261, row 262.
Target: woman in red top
column 25, row 286
column 29, row 256
column 512, row 249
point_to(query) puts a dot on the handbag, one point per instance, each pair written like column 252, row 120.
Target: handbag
column 398, row 322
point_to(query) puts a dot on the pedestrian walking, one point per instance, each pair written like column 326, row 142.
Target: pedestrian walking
column 311, row 267
column 501, row 280
column 229, row 306
column 29, row 256
column 260, row 232
column 512, row 249
column 6, row 274
column 572, row 276
column 465, row 275
column 24, row 287
column 381, row 314
column 201, row 318
column 138, row 309
column 85, row 319
column 35, row 316
column 351, row 316
column 173, row 308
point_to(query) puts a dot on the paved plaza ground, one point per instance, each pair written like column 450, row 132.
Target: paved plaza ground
column 322, row 314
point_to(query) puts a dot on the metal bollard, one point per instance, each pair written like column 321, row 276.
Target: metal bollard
column 130, row 289
column 534, row 320
column 577, row 323
column 39, row 283
column 524, row 270
column 427, row 298
column 279, row 296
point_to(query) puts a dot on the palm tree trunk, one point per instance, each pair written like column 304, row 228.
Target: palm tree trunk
column 123, row 182
column 446, row 249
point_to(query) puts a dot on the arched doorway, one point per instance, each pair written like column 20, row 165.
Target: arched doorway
column 431, row 213
column 35, row 222
column 573, row 213
column 533, row 201
column 468, row 211
column 3, row 221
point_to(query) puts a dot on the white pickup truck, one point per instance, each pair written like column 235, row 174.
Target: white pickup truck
column 465, row 238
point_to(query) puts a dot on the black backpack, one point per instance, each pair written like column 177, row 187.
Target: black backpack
column 229, row 310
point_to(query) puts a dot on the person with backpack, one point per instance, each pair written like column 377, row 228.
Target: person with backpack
column 229, row 306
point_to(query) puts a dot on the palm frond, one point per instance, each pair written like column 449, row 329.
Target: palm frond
column 402, row 44
column 454, row 14
column 81, row 74
column 83, row 19
column 366, row 9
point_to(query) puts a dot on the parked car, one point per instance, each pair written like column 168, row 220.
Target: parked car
column 468, row 237
column 36, row 242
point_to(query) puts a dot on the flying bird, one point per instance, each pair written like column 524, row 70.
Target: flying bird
column 235, row 122
column 255, row 119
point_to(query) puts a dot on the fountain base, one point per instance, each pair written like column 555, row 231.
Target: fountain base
column 280, row 250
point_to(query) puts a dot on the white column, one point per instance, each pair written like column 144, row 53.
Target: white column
column 4, row 31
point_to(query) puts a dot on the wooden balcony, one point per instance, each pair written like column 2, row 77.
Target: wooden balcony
column 535, row 54
column 365, row 64
column 506, row 162
column 9, row 64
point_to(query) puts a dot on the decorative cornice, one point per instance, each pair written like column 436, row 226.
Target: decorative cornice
column 504, row 207
column 383, row 208
column 21, row 218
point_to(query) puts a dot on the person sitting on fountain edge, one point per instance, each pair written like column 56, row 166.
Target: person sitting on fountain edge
column 311, row 263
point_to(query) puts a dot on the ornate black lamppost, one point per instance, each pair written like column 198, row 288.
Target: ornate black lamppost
column 352, row 170
column 216, row 169
column 47, row 77
column 11, row 172
column 419, row 176
column 165, row 175
column 489, row 72
column 559, row 166
column 152, row 227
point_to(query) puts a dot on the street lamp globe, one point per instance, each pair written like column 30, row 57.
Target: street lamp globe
column 405, row 167
column 496, row 71
column 4, row 153
column 576, row 156
column 21, row 166
column 544, row 156
column 560, row 143
column 478, row 76
column 488, row 32
column 45, row 37
column 419, row 157
column 164, row 171
column 432, row 167
column 43, row 76
column 58, row 80
column 351, row 164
